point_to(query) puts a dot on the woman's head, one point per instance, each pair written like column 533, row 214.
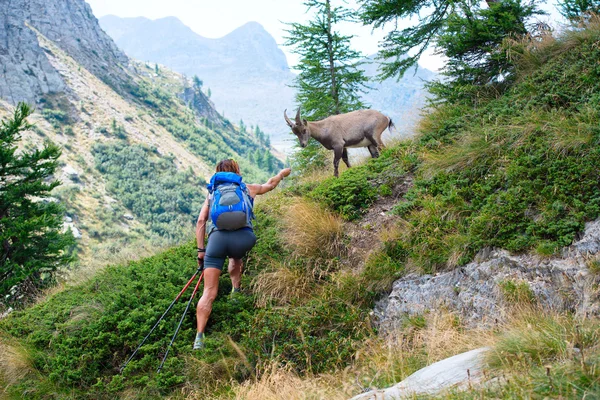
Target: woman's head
column 229, row 165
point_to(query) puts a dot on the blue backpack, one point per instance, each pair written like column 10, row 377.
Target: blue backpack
column 230, row 203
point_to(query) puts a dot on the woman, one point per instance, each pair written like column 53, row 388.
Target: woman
column 234, row 244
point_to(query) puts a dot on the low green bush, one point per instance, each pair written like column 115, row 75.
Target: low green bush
column 150, row 185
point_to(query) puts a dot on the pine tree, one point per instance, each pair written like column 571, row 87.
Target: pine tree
column 259, row 157
column 470, row 33
column 329, row 80
column 32, row 246
column 197, row 82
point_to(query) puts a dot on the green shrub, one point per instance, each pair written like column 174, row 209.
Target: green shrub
column 349, row 194
column 317, row 336
column 57, row 118
column 151, row 187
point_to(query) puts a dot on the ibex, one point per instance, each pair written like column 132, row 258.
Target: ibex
column 362, row 128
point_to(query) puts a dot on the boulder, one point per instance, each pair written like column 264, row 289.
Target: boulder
column 459, row 371
column 74, row 230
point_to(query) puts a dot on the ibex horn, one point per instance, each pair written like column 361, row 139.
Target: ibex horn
column 287, row 119
column 298, row 121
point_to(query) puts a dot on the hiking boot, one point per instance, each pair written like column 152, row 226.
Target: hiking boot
column 235, row 294
column 199, row 342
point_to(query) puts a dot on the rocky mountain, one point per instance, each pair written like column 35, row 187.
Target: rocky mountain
column 71, row 26
column 130, row 132
column 248, row 73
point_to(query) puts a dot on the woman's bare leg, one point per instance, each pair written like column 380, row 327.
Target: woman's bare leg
column 211, row 287
column 235, row 272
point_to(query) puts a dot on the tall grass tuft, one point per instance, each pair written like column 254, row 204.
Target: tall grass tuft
column 281, row 284
column 16, row 362
column 534, row 337
column 277, row 382
column 312, row 231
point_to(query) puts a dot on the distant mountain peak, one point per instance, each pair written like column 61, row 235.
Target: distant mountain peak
column 251, row 31
column 251, row 26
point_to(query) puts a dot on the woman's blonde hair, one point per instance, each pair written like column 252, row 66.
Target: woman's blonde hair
column 229, row 165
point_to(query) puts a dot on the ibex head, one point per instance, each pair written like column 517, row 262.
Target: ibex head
column 299, row 128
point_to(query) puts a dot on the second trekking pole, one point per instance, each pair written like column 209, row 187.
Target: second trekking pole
column 181, row 321
column 200, row 268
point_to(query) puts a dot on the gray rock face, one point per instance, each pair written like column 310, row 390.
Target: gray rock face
column 25, row 72
column 473, row 291
column 456, row 372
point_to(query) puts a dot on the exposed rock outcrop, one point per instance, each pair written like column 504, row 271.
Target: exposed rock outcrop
column 26, row 74
column 474, row 291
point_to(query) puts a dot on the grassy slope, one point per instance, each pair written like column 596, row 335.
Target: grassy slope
column 519, row 171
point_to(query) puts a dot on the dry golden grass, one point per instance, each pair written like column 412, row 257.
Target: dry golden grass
column 316, row 176
column 532, row 52
column 277, row 383
column 311, row 230
column 281, row 284
column 381, row 362
column 384, row 361
column 15, row 362
column 533, row 335
column 206, row 377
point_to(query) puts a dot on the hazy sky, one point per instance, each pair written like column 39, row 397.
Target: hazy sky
column 215, row 19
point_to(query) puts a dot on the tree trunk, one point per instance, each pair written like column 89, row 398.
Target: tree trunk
column 334, row 94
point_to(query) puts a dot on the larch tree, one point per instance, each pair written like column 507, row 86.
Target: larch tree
column 575, row 10
column 330, row 80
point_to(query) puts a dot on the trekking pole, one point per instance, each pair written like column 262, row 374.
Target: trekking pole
column 180, row 322
column 200, row 268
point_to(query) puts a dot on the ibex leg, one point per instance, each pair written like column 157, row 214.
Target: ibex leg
column 345, row 157
column 337, row 155
column 373, row 150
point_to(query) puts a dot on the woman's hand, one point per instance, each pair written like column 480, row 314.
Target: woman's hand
column 286, row 172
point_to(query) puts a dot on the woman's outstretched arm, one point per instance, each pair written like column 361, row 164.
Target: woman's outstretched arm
column 256, row 189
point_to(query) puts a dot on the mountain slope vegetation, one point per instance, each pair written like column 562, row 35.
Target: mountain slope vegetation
column 516, row 170
column 94, row 101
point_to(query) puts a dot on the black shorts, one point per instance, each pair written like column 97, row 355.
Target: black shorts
column 232, row 244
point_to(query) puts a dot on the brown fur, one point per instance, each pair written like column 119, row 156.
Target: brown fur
column 362, row 128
